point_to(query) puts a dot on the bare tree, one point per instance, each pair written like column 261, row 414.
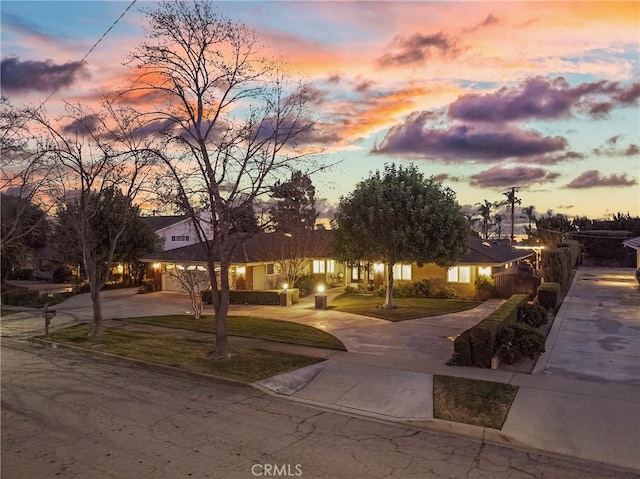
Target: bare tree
column 98, row 170
column 24, row 173
column 194, row 279
column 231, row 122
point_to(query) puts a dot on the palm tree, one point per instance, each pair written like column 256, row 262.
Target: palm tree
column 529, row 215
column 512, row 201
column 499, row 219
column 484, row 210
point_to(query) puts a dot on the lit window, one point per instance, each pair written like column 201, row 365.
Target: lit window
column 318, row 266
column 484, row 270
column 459, row 274
column 402, row 271
column 331, row 266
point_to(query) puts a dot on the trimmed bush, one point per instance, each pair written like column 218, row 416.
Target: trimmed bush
column 264, row 296
column 549, row 295
column 508, row 311
column 483, row 342
column 31, row 299
column 575, row 248
column 462, row 350
column 350, row 289
column 22, row 275
column 516, row 342
column 556, row 265
column 532, row 315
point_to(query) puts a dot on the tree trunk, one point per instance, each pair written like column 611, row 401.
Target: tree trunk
column 97, row 310
column 221, row 310
column 388, row 302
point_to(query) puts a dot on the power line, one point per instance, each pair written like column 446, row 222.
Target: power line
column 93, row 47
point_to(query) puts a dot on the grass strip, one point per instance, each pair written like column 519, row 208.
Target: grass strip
column 407, row 308
column 250, row 327
column 247, row 364
column 470, row 401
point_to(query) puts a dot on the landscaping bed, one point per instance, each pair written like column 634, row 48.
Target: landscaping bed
column 408, row 308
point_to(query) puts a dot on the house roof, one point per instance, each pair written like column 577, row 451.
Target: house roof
column 632, row 243
column 259, row 248
column 161, row 222
column 491, row 252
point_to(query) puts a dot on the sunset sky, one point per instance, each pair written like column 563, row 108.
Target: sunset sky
column 484, row 96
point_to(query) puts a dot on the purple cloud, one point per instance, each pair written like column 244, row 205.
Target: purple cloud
column 543, row 98
column 520, row 175
column 417, row 48
column 632, row 150
column 592, row 179
column 46, row 76
column 462, row 142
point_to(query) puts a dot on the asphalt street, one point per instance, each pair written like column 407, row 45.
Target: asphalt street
column 70, row 415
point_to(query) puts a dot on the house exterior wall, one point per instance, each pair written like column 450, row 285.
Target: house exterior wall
column 435, row 272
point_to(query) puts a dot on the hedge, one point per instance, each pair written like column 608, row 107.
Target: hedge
column 264, row 296
column 549, row 295
column 556, row 266
column 477, row 345
column 30, row 298
column 575, row 248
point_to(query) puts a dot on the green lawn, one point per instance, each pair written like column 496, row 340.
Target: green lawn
column 250, row 327
column 248, row 364
column 408, row 308
column 469, row 401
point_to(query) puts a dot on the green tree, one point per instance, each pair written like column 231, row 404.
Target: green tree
column 24, row 226
column 294, row 208
column 512, row 200
column 399, row 216
column 552, row 228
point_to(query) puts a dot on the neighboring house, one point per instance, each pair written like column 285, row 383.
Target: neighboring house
column 256, row 263
column 634, row 243
column 176, row 231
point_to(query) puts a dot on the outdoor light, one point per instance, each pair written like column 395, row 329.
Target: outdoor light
column 321, row 288
column 156, row 265
column 241, row 270
column 285, row 286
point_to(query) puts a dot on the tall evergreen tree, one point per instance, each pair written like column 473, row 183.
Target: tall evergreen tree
column 295, row 204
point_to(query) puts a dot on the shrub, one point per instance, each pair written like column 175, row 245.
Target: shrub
column 549, row 295
column 518, row 341
column 305, row 285
column 350, row 289
column 556, row 265
column 483, row 342
column 574, row 248
column 30, row 298
column 447, row 292
column 508, row 311
column 22, row 275
column 149, row 286
column 532, row 315
column 403, row 289
column 425, row 288
column 462, row 350
column 264, row 297
column 62, row 274
column 484, row 286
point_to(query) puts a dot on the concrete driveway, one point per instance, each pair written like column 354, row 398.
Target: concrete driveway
column 596, row 334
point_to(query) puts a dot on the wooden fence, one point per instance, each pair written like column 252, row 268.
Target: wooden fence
column 508, row 283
